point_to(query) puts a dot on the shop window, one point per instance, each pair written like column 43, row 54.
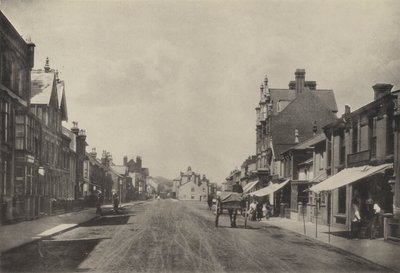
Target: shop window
column 342, row 200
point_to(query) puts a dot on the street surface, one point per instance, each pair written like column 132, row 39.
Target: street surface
column 178, row 236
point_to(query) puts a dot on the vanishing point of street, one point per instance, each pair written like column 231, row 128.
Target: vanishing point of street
column 178, row 236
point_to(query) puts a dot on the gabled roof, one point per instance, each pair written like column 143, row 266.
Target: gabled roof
column 325, row 95
column 41, row 86
column 294, row 117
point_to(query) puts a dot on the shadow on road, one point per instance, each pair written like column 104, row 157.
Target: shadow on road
column 47, row 256
column 108, row 220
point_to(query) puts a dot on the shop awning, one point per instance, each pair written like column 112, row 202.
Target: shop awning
column 249, row 186
column 269, row 189
column 348, row 176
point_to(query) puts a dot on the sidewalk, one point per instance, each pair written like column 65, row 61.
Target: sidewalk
column 378, row 251
column 15, row 235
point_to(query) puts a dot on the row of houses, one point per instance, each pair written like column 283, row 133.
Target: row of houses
column 44, row 166
column 310, row 162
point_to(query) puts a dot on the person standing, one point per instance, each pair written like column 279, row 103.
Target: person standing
column 116, row 202
column 355, row 220
column 376, row 209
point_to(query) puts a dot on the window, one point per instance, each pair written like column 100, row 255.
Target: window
column 372, row 128
column 5, row 121
column 342, row 148
column 342, row 200
column 389, row 136
column 328, row 153
column 20, row 132
column 193, row 189
column 355, row 138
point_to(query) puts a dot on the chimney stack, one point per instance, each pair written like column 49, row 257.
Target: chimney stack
column 292, row 85
column 75, row 128
column 125, row 160
column 312, row 85
column 300, row 80
column 93, row 153
column 347, row 109
column 47, row 66
column 381, row 89
column 296, row 136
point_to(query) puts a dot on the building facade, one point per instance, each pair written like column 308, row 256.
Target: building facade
column 282, row 121
column 16, row 62
column 192, row 186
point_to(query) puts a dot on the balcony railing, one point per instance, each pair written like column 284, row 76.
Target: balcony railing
column 359, row 158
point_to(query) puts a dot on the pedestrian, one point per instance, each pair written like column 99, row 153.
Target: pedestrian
column 209, row 201
column 355, row 220
column 374, row 223
column 259, row 211
column 116, row 202
column 99, row 203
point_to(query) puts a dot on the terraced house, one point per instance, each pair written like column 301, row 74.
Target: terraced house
column 16, row 62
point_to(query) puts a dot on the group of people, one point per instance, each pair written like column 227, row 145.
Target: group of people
column 259, row 210
column 100, row 202
column 365, row 214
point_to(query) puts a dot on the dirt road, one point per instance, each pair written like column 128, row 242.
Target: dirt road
column 176, row 236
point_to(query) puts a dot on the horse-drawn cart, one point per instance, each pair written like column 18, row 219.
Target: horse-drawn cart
column 231, row 202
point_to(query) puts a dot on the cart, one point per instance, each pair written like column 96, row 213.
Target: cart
column 231, row 202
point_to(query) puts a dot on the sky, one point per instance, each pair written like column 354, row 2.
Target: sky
column 177, row 82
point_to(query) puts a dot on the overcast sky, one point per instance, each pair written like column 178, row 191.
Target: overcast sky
column 177, row 81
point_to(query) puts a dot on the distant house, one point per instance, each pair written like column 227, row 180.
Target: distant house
column 191, row 186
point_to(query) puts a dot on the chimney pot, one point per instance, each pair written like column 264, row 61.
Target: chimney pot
column 381, row 89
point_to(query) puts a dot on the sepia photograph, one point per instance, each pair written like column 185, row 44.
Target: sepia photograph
column 199, row 136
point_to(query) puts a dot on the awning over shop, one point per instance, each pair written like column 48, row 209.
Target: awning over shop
column 249, row 186
column 348, row 176
column 270, row 189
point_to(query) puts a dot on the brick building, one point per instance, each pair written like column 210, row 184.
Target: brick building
column 16, row 62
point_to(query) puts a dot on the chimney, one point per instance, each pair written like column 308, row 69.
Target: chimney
column 31, row 51
column 125, row 160
column 75, row 128
column 315, row 128
column 47, row 66
column 261, row 92
column 381, row 89
column 93, row 153
column 300, row 78
column 296, row 136
column 292, row 85
column 347, row 109
column 139, row 162
column 312, row 85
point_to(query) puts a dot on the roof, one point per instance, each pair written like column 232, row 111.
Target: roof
column 294, row 117
column 349, row 175
column 41, row 86
column 111, row 168
column 120, row 169
column 269, row 189
column 307, row 162
column 327, row 96
column 308, row 143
